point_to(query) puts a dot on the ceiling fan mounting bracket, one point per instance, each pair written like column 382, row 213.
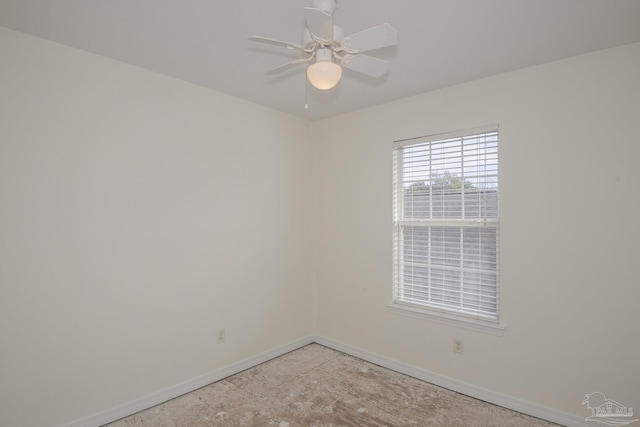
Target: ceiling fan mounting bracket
column 328, row 6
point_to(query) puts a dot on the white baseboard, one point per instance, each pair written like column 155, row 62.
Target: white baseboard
column 162, row 396
column 480, row 393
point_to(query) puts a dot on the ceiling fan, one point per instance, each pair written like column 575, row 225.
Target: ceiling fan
column 327, row 49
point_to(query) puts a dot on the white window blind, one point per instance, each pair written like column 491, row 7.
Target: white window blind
column 446, row 223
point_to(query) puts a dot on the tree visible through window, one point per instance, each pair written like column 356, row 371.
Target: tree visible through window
column 446, row 223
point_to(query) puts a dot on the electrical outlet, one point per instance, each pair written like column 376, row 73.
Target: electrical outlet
column 458, row 346
column 220, row 336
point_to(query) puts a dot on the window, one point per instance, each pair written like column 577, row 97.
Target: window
column 446, row 224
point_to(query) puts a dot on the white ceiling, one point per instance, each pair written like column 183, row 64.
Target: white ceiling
column 441, row 42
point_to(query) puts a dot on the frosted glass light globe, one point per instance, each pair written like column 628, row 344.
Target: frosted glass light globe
column 324, row 75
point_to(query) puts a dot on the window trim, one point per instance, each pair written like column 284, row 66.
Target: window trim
column 445, row 316
column 460, row 320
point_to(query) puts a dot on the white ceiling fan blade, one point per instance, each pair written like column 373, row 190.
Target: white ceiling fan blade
column 320, row 24
column 275, row 42
column 365, row 64
column 377, row 37
column 289, row 65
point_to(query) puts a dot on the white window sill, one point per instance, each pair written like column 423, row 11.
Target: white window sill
column 461, row 321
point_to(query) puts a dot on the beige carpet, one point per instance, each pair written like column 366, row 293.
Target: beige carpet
column 319, row 387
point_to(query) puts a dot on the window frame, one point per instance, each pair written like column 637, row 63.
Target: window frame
column 442, row 314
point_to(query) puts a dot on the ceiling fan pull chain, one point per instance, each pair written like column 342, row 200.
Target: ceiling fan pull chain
column 306, row 93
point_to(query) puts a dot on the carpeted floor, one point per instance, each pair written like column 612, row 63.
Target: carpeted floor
column 319, row 387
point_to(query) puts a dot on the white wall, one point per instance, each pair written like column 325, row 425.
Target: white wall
column 138, row 214
column 570, row 204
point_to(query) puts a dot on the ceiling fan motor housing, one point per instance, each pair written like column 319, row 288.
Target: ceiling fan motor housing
column 338, row 36
column 328, row 6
